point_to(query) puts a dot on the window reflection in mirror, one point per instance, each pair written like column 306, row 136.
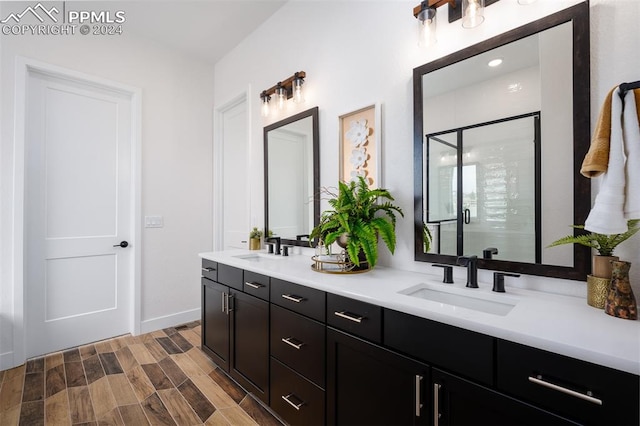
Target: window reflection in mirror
column 496, row 148
column 291, row 177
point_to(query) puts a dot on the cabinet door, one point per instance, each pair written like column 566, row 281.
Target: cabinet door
column 457, row 401
column 250, row 343
column 370, row 385
column 215, row 322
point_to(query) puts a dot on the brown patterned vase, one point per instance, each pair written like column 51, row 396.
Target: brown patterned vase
column 620, row 301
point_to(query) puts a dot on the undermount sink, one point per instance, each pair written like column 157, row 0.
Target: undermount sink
column 258, row 257
column 496, row 304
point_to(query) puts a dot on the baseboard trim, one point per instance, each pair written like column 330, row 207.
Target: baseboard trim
column 158, row 323
column 6, row 361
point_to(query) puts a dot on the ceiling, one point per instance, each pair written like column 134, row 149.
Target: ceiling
column 206, row 29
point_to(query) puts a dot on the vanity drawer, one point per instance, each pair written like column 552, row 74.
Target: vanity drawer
column 579, row 390
column 210, row 269
column 294, row 398
column 465, row 352
column 353, row 316
column 256, row 285
column 303, row 300
column 228, row 275
column 298, row 342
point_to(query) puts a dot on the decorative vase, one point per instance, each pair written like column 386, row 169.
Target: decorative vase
column 601, row 266
column 620, row 301
column 597, row 291
column 254, row 243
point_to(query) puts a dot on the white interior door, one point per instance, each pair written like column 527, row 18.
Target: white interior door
column 78, row 281
column 235, row 176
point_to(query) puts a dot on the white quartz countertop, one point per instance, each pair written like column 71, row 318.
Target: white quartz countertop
column 556, row 323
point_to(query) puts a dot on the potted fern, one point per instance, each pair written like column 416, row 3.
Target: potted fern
column 359, row 215
column 603, row 244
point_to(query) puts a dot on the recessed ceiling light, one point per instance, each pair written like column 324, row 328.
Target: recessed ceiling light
column 495, row 62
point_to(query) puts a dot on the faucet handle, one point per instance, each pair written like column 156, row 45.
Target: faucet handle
column 285, row 249
column 498, row 280
column 270, row 245
column 489, row 252
column 448, row 273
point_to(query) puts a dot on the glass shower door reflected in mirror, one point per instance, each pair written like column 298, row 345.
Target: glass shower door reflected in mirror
column 482, row 187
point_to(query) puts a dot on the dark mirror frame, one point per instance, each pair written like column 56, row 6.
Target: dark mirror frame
column 579, row 16
column 313, row 113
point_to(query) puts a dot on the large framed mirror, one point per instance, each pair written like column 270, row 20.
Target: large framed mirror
column 292, row 177
column 500, row 131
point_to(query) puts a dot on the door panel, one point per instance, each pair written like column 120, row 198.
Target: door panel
column 236, row 173
column 78, row 283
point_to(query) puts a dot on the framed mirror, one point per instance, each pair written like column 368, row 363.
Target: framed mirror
column 500, row 131
column 292, row 177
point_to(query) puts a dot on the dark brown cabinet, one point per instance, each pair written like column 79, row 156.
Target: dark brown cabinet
column 370, row 385
column 235, row 331
column 459, row 402
column 318, row 358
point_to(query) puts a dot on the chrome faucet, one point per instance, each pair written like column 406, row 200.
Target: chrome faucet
column 471, row 262
column 276, row 240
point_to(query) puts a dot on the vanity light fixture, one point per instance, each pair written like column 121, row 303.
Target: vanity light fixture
column 283, row 90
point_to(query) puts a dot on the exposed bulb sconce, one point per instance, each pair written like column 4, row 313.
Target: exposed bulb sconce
column 472, row 13
column 283, row 90
column 425, row 13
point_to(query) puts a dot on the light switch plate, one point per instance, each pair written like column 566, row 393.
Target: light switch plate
column 153, row 222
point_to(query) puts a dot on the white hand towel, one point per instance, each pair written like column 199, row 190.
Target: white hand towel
column 631, row 131
column 607, row 214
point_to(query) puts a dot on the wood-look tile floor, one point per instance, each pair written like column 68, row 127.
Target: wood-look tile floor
column 160, row 378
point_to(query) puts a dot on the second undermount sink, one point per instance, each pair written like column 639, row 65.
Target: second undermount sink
column 258, row 257
column 496, row 304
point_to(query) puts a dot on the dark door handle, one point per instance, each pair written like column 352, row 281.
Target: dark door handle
column 467, row 216
column 122, row 244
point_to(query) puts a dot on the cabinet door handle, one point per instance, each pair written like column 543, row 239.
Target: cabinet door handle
column 540, row 381
column 291, row 403
column 288, row 341
column 418, row 396
column 346, row 315
column 436, row 404
column 224, row 303
column 208, row 269
column 293, row 298
column 254, row 285
column 229, row 298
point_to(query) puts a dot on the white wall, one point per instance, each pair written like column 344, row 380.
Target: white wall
column 177, row 117
column 359, row 52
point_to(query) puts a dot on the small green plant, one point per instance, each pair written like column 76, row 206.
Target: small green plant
column 362, row 215
column 255, row 233
column 602, row 243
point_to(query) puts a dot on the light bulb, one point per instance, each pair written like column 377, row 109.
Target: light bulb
column 298, row 96
column 427, row 28
column 265, row 106
column 472, row 13
column 281, row 97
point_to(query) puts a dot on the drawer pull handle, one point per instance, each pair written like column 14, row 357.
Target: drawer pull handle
column 293, row 298
column 208, row 269
column 288, row 341
column 539, row 381
column 436, row 404
column 345, row 315
column 254, row 285
column 418, row 396
column 291, row 403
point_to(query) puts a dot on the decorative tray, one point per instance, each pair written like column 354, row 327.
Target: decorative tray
column 336, row 264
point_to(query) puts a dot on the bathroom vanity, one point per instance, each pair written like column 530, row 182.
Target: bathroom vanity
column 398, row 347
